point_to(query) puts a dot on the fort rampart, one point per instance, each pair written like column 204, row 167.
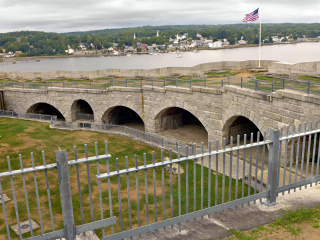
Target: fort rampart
column 311, row 68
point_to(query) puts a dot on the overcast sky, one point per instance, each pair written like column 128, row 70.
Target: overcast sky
column 83, row 15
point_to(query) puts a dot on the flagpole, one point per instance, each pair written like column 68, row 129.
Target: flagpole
column 260, row 42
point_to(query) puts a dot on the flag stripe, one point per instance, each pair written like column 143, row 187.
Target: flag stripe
column 250, row 17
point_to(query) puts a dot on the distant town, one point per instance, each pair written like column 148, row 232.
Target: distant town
column 150, row 40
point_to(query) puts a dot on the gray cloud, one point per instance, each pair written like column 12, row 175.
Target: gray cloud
column 81, row 15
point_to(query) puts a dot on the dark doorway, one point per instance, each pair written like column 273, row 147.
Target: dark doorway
column 180, row 125
column 121, row 115
column 240, row 125
column 47, row 109
column 81, row 110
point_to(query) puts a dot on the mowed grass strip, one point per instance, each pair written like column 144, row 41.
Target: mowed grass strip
column 300, row 223
column 23, row 137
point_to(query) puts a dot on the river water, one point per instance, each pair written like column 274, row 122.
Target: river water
column 294, row 53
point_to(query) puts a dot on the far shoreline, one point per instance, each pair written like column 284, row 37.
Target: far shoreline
column 35, row 58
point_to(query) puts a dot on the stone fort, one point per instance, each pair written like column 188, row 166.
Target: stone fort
column 222, row 112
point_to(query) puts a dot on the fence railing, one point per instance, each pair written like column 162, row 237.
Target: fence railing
column 103, row 85
column 40, row 203
column 134, row 133
column 309, row 87
column 152, row 192
column 84, row 116
column 33, row 116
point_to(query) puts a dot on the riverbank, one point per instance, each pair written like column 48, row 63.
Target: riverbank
column 95, row 54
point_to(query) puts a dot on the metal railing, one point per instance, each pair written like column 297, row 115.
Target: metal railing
column 84, row 116
column 274, row 84
column 103, row 85
column 127, row 131
column 152, row 192
column 35, row 207
column 29, row 116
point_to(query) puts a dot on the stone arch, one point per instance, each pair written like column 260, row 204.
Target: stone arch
column 47, row 109
column 176, row 117
column 240, row 125
column 202, row 116
column 81, row 110
column 233, row 113
column 240, row 121
column 123, row 115
column 115, row 100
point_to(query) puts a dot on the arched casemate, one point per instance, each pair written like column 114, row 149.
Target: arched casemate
column 47, row 109
column 81, row 110
column 121, row 115
column 180, row 124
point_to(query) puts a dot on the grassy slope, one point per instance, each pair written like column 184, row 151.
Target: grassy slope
column 19, row 136
column 294, row 224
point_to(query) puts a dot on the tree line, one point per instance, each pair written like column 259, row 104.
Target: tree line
column 35, row 43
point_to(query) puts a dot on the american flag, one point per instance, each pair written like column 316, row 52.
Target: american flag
column 250, row 17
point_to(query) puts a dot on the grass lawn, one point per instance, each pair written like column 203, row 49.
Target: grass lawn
column 261, row 77
column 6, row 81
column 294, row 224
column 67, row 80
column 221, row 73
column 295, row 85
column 20, row 136
column 307, row 78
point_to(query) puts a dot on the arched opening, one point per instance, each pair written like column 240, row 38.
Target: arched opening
column 81, row 110
column 239, row 125
column 181, row 125
column 121, row 115
column 47, row 109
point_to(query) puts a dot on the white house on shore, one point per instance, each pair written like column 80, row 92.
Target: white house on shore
column 70, row 50
column 242, row 42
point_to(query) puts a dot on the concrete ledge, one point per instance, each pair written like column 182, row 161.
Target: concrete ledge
column 77, row 90
column 212, row 91
column 300, row 96
column 154, row 88
column 179, row 89
column 196, row 88
column 277, row 94
column 249, row 92
column 123, row 89
column 27, row 90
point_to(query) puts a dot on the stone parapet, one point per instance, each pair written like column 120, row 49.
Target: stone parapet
column 215, row 108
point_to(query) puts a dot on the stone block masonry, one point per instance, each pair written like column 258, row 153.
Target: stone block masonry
column 216, row 109
column 311, row 68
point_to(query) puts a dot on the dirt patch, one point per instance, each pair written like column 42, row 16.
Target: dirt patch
column 27, row 143
column 84, row 137
column 305, row 231
column 133, row 191
column 6, row 145
column 139, row 147
column 31, row 129
column 242, row 73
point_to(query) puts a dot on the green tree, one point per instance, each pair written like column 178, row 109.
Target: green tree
column 231, row 40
